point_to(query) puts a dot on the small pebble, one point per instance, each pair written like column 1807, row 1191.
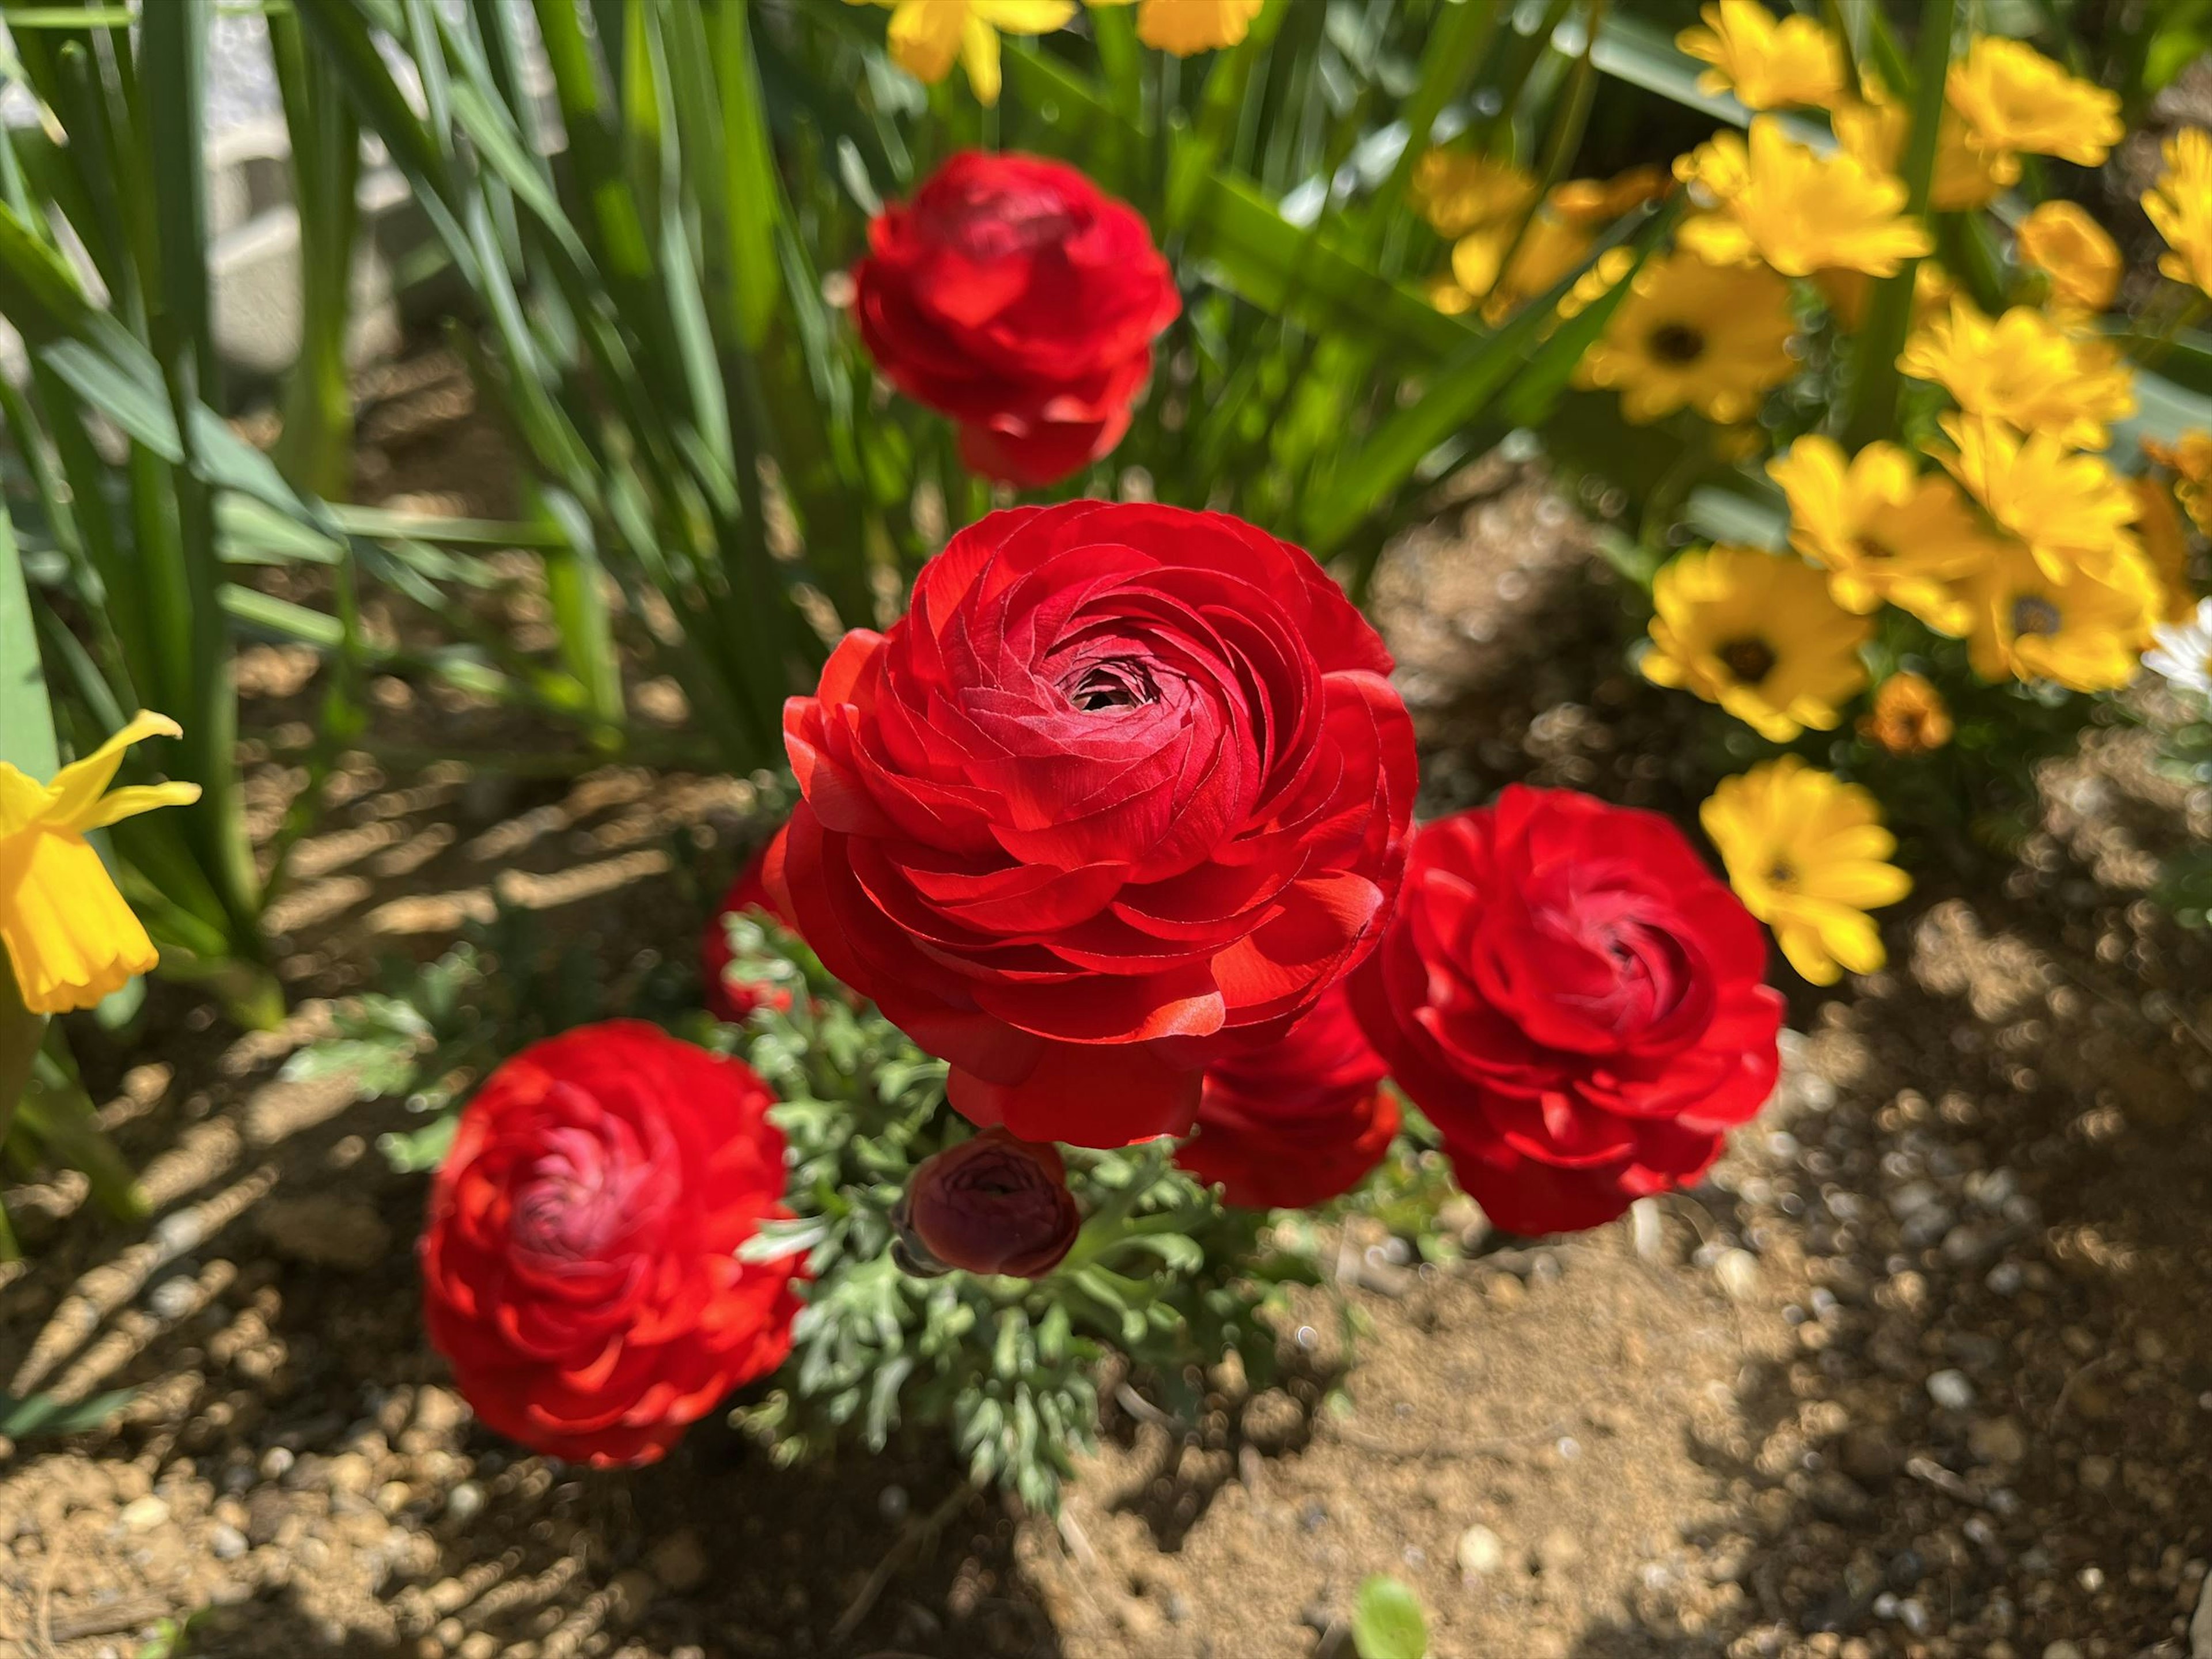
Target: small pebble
column 144, row 1514
column 1951, row 1390
column 1481, row 1551
column 226, row 1543
column 463, row 1501
column 1738, row 1273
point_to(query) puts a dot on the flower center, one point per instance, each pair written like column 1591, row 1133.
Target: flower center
column 1751, row 659
column 577, row 1199
column 2030, row 615
column 1676, row 343
column 1872, row 547
column 1781, row 873
column 1116, row 683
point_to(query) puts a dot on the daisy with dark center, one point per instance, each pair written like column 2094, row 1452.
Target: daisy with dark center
column 1757, row 635
column 1885, row 532
column 1713, row 339
column 2084, row 629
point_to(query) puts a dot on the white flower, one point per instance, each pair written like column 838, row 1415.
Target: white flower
column 2184, row 653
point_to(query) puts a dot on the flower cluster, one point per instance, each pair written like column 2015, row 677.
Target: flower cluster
column 927, row 37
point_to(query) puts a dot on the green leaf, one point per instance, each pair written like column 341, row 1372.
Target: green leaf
column 1640, row 52
column 26, row 720
column 1386, row 1622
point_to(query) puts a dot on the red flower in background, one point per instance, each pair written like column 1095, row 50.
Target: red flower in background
column 580, row 1265
column 991, row 1205
column 1127, row 790
column 1575, row 1001
column 1297, row 1123
column 729, row 997
column 1014, row 296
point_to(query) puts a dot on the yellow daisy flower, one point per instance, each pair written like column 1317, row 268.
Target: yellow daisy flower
column 925, row 36
column 1884, row 533
column 2165, row 547
column 2060, row 240
column 70, row 937
column 2084, row 630
column 1800, row 211
column 1188, row 26
column 1712, row 337
column 2014, row 98
column 2026, row 371
column 1768, row 62
column 1874, row 130
column 1457, row 193
column 2179, row 204
column 1909, row 716
column 1808, row 856
column 1759, row 636
column 2071, row 510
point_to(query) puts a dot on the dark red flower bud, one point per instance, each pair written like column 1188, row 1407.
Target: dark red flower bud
column 991, row 1205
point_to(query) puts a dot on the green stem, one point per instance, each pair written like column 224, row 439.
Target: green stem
column 21, row 1031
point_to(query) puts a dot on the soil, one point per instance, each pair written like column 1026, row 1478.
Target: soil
column 1922, row 1370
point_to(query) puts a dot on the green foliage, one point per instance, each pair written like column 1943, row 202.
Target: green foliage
column 42, row 1414
column 1162, row 1271
column 1386, row 1622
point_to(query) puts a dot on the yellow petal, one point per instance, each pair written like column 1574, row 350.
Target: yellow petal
column 1024, row 17
column 925, row 36
column 22, row 798
column 117, row 804
column 70, row 937
column 979, row 56
column 73, row 795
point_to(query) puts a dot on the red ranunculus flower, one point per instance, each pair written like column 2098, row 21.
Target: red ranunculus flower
column 1127, row 788
column 1012, row 295
column 730, row 998
column 1575, row 1000
column 579, row 1268
column 991, row 1205
column 1298, row 1122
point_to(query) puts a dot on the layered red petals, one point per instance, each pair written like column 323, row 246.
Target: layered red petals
column 1125, row 791
column 1575, row 1001
column 580, row 1266
column 1014, row 296
column 1298, row 1121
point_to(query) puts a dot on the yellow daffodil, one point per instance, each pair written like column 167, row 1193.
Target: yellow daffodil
column 1784, row 202
column 1546, row 251
column 1188, row 26
column 2060, row 240
column 2071, row 510
column 2026, row 371
column 2166, row 547
column 1759, row 636
column 1808, row 856
column 1769, row 63
column 70, row 937
column 926, row 36
column 1882, row 531
column 2014, row 98
column 2189, row 458
column 1457, row 193
column 1713, row 338
column 1593, row 202
column 1909, row 717
column 1874, row 130
column 2179, row 204
column 2082, row 630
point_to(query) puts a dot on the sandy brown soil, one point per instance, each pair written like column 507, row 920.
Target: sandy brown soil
column 1923, row 1370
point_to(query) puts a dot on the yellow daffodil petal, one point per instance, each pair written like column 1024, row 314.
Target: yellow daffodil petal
column 130, row 801
column 22, row 798
column 1188, row 27
column 925, row 36
column 70, row 937
column 979, row 56
column 76, row 788
column 1024, row 17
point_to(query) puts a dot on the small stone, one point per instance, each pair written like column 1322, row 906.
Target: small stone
column 2062, row 1650
column 463, row 1502
column 1869, row 1458
column 326, row 1231
column 226, row 1543
column 1738, row 1273
column 1647, row 1229
column 2094, row 1472
column 1997, row 1440
column 678, row 1561
column 1481, row 1551
column 350, row 1471
column 1951, row 1390
column 144, row 1514
column 276, row 1462
column 2200, row 1626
